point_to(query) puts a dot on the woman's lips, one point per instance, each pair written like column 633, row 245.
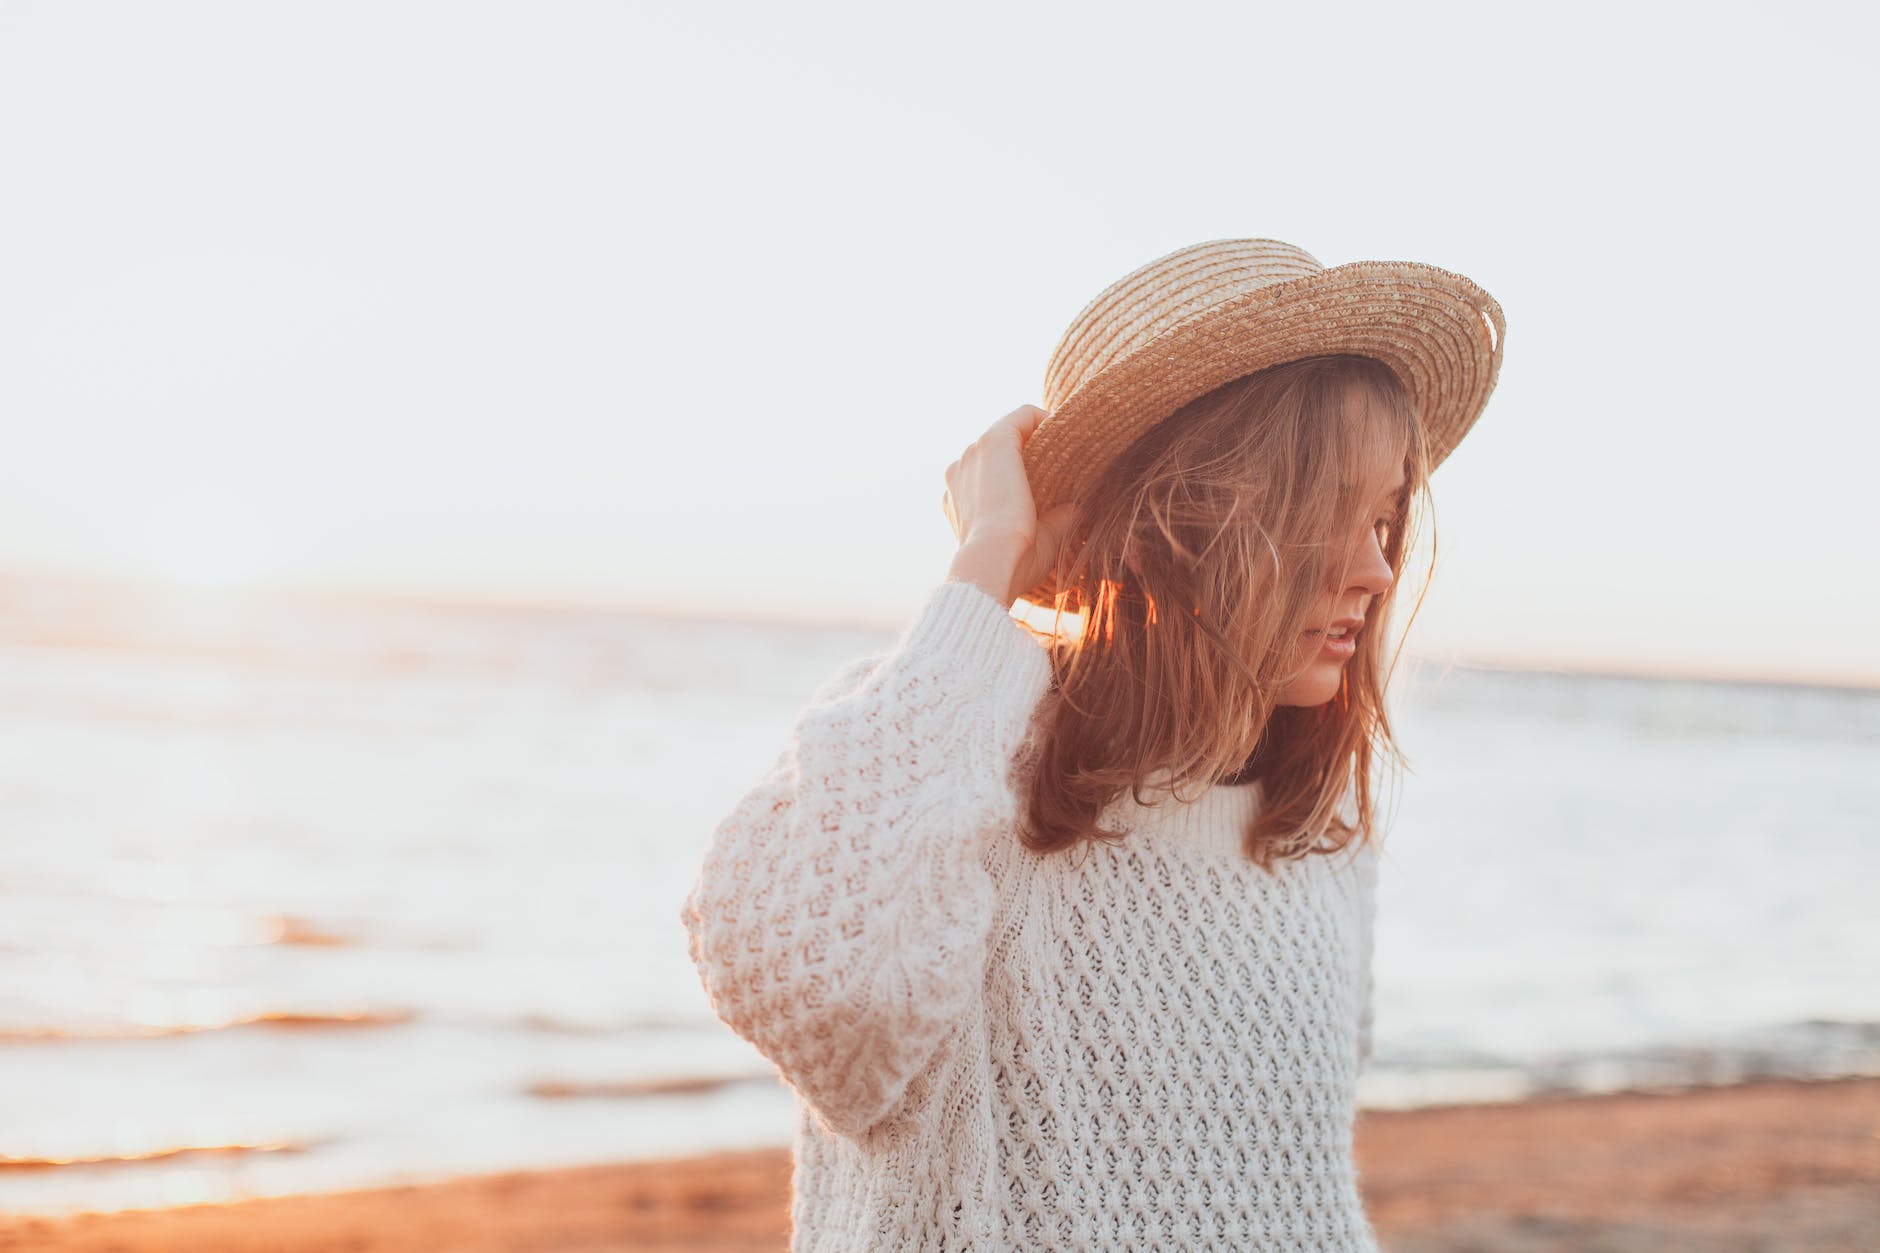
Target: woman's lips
column 1335, row 647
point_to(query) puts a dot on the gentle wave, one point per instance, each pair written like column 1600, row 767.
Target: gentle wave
column 283, row 1019
column 8, row 1162
column 1809, row 1049
column 673, row 1085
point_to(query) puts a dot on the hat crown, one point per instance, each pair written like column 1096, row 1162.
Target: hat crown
column 1151, row 300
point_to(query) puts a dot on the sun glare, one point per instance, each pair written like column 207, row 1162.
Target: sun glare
column 1044, row 619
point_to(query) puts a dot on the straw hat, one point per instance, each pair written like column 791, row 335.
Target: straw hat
column 1184, row 324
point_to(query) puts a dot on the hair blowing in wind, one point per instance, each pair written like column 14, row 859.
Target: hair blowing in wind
column 1199, row 558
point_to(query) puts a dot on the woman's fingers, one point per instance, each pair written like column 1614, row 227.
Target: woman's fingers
column 987, row 491
column 988, row 496
column 1024, row 420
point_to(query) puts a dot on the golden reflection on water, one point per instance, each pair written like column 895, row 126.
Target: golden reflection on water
column 167, row 1026
column 174, row 1151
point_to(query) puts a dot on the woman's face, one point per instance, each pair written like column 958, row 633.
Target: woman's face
column 1369, row 577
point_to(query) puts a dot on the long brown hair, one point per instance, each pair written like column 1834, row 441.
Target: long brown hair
column 1199, row 556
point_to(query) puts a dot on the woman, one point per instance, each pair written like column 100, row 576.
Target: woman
column 1064, row 940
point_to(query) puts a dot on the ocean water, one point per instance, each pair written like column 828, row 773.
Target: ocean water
column 301, row 895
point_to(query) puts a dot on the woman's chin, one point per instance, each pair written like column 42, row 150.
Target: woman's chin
column 1314, row 688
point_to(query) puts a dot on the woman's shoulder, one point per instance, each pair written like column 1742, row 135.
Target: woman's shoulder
column 963, row 636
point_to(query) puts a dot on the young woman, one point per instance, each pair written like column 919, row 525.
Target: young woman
column 1064, row 939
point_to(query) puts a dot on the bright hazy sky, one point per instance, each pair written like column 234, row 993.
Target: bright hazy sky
column 688, row 307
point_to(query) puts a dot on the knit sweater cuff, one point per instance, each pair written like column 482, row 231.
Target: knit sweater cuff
column 973, row 636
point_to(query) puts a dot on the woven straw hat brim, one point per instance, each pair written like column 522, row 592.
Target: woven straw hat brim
column 1437, row 331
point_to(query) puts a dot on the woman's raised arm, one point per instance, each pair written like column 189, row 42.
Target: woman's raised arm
column 840, row 921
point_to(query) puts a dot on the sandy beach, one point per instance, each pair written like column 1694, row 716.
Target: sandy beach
column 1779, row 1165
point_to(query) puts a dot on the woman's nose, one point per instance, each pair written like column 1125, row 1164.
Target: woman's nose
column 1370, row 570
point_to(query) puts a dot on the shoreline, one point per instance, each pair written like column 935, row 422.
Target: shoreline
column 1789, row 1164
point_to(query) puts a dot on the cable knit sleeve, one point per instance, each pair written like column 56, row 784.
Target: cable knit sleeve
column 840, row 920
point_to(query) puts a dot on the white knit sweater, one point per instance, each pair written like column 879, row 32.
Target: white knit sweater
column 1148, row 1045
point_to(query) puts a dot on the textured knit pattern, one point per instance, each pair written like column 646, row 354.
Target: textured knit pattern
column 1148, row 1045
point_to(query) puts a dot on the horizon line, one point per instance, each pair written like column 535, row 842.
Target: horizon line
column 528, row 604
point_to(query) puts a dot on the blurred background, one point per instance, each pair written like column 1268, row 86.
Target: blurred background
column 449, row 441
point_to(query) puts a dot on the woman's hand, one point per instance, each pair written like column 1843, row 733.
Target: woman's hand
column 1005, row 547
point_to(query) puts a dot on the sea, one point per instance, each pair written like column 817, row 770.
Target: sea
column 300, row 894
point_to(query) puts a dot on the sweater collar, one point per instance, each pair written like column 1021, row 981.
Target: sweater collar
column 1216, row 818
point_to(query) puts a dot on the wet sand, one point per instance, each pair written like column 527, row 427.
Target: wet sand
column 1779, row 1165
